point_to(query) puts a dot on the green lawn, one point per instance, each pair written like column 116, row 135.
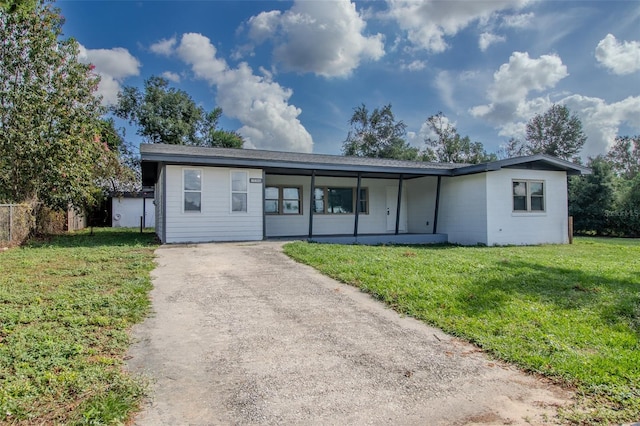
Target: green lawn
column 66, row 305
column 569, row 312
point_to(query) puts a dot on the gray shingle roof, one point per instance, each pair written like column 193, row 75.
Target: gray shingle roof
column 147, row 150
column 302, row 163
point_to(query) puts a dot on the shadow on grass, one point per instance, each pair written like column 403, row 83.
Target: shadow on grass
column 613, row 300
column 96, row 237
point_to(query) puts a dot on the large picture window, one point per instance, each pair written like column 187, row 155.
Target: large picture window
column 192, row 190
column 239, row 192
column 528, row 196
column 332, row 200
column 283, row 200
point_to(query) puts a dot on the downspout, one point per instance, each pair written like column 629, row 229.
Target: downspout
column 399, row 203
column 311, row 202
column 435, row 213
column 355, row 222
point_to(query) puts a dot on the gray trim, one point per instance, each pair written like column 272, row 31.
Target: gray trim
column 312, row 197
column 264, row 215
column 268, row 164
column 399, row 204
column 534, row 162
column 357, row 209
column 437, row 206
column 332, row 165
column 164, row 202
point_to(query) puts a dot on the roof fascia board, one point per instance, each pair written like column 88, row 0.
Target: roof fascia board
column 259, row 163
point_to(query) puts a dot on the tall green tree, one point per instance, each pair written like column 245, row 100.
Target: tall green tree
column 556, row 132
column 625, row 156
column 592, row 197
column 164, row 114
column 447, row 146
column 49, row 114
column 119, row 172
column 377, row 134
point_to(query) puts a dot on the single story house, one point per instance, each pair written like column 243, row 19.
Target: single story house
column 129, row 209
column 219, row 194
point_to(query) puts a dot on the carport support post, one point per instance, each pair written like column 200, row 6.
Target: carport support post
column 355, row 223
column 435, row 213
column 399, row 203
column 264, row 215
column 312, row 198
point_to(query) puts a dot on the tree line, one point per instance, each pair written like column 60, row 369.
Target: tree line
column 378, row 133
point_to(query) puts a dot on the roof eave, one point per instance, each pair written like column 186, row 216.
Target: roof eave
column 283, row 164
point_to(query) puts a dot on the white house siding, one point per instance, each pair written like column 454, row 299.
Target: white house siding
column 463, row 209
column 508, row 227
column 421, row 199
column 215, row 221
column 375, row 222
column 126, row 212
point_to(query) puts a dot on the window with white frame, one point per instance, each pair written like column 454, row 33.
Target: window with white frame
column 528, row 196
column 331, row 200
column 238, row 192
column 283, row 200
column 192, row 190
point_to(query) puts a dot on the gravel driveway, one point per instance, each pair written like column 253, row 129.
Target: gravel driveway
column 241, row 334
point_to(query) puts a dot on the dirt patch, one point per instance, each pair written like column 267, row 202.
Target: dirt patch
column 241, row 334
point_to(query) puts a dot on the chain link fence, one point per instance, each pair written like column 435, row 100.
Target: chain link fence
column 16, row 223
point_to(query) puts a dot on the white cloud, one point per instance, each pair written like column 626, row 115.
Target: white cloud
column 601, row 121
column 264, row 25
column 522, row 20
column 428, row 22
column 164, row 47
column 113, row 66
column 620, row 58
column 416, row 65
column 445, row 86
column 513, row 82
column 322, row 37
column 260, row 104
column 171, row 76
column 487, row 39
column 510, row 109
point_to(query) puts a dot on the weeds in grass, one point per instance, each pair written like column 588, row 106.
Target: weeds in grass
column 569, row 312
column 66, row 304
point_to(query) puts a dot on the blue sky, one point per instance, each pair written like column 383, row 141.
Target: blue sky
column 289, row 74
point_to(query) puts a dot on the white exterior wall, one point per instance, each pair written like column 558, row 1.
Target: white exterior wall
column 463, row 209
column 421, row 203
column 126, row 212
column 508, row 227
column 215, row 221
column 375, row 222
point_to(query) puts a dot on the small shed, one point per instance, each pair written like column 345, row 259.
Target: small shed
column 130, row 209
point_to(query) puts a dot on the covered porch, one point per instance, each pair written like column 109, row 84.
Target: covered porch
column 352, row 207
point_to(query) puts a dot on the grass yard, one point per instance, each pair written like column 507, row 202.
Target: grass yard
column 66, row 305
column 569, row 312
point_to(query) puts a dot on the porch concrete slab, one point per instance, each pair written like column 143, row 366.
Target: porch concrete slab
column 241, row 334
